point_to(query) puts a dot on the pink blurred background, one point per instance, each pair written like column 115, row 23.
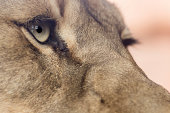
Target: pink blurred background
column 149, row 22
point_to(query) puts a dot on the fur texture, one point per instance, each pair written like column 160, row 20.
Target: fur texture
column 96, row 75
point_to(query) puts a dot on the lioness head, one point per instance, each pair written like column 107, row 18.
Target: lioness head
column 67, row 56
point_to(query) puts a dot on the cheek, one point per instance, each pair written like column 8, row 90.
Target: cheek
column 51, row 63
column 14, row 49
column 17, row 61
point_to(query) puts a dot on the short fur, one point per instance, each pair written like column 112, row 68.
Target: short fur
column 96, row 75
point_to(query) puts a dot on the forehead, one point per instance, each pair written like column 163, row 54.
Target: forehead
column 23, row 10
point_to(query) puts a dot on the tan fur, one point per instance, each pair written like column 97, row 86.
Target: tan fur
column 96, row 75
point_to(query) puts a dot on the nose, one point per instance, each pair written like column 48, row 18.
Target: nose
column 106, row 79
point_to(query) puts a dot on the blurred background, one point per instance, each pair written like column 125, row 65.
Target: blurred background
column 149, row 22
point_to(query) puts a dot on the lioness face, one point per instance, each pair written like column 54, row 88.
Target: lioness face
column 62, row 56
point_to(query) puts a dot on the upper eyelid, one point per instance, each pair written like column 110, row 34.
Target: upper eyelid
column 37, row 19
column 41, row 18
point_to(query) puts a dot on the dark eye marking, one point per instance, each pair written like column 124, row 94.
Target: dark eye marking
column 44, row 30
column 129, row 42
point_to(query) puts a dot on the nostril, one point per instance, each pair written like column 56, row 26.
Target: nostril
column 102, row 101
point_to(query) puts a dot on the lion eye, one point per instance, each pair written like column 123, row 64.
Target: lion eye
column 40, row 31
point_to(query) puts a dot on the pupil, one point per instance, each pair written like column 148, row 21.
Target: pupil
column 39, row 29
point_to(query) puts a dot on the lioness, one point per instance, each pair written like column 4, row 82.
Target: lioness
column 67, row 56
